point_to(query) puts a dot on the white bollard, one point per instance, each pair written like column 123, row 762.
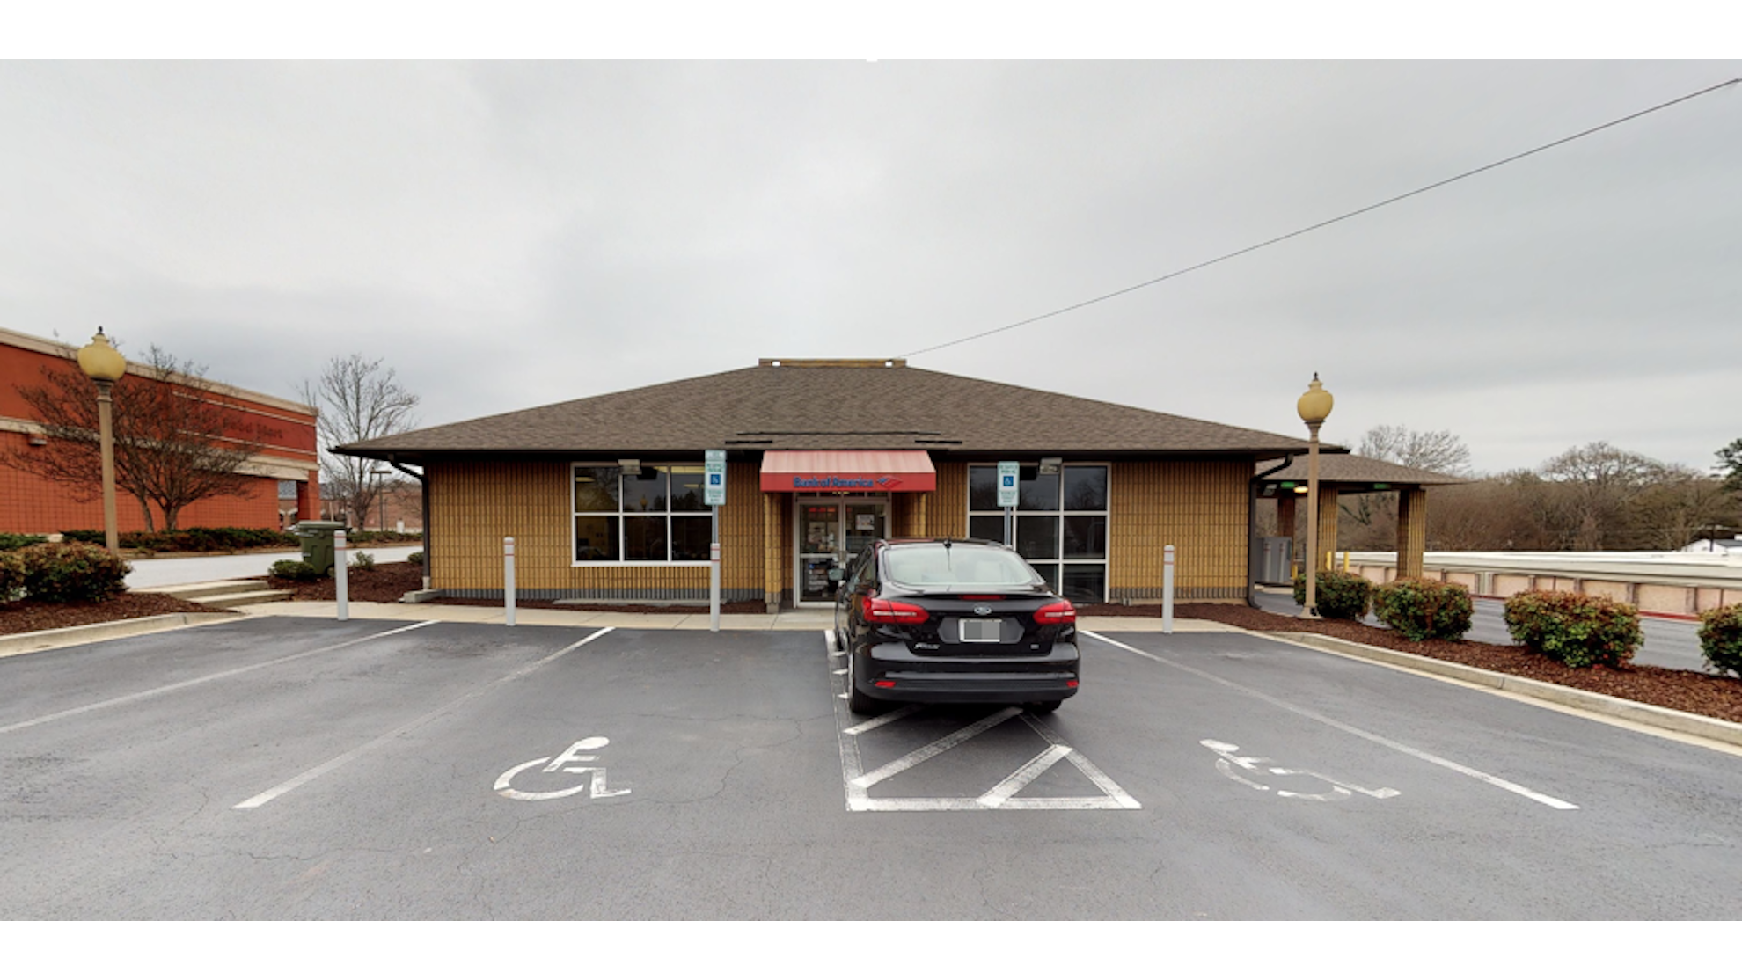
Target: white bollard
column 714, row 587
column 1167, row 589
column 508, row 577
column 341, row 564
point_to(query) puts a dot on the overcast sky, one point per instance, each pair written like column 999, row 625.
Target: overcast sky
column 512, row 234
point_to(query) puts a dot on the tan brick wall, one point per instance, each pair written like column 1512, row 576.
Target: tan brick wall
column 1199, row 508
column 947, row 511
column 473, row 506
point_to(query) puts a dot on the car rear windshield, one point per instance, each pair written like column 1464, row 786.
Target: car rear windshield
column 937, row 566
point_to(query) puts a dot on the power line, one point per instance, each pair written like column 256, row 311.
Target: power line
column 1329, row 221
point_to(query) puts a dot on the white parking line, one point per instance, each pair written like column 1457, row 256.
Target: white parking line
column 1017, row 781
column 1119, row 797
column 192, row 682
column 254, row 802
column 1495, row 781
column 938, row 747
column 884, row 719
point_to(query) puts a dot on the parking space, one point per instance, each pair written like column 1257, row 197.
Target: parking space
column 916, row 757
column 276, row 769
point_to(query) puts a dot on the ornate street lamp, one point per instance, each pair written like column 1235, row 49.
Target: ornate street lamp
column 104, row 365
column 1314, row 407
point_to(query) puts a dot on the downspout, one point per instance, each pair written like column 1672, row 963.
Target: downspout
column 423, row 487
column 1252, row 556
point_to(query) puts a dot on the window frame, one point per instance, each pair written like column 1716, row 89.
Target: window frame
column 619, row 516
column 1058, row 515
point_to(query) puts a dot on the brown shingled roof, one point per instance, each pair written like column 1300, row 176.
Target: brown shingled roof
column 830, row 405
column 1349, row 468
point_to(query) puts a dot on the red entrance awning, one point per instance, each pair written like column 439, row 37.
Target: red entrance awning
column 837, row 470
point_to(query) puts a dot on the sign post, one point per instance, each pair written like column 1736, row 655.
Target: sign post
column 714, row 496
column 1007, row 491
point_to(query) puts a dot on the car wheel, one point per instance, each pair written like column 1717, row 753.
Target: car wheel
column 1044, row 707
column 858, row 703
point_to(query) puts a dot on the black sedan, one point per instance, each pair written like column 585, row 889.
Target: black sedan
column 952, row 620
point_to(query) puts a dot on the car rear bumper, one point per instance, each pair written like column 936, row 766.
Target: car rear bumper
column 1052, row 677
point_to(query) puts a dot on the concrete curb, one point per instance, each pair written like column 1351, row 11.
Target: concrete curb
column 1682, row 722
column 68, row 636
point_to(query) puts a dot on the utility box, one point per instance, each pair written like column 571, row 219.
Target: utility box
column 317, row 542
column 1275, row 565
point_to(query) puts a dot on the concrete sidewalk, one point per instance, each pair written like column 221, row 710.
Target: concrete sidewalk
column 803, row 619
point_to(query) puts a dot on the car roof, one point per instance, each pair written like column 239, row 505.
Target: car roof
column 904, row 542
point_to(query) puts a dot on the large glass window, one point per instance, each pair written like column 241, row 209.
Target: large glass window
column 1061, row 524
column 654, row 514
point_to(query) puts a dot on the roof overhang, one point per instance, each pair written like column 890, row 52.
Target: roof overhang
column 837, row 470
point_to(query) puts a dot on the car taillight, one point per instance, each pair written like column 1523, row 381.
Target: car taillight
column 887, row 611
column 1057, row 614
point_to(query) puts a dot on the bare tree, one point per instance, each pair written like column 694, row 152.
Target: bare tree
column 1372, row 517
column 358, row 400
column 176, row 440
column 1597, row 484
column 1678, row 505
column 1730, row 466
column 1441, row 451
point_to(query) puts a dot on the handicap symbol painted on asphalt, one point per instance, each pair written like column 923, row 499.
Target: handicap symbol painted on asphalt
column 1232, row 766
column 593, row 785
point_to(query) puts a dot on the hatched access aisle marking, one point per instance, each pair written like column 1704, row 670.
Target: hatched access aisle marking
column 1001, row 796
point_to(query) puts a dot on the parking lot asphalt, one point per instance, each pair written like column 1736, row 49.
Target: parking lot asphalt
column 283, row 768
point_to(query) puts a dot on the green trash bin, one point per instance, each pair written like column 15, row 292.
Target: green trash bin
column 317, row 542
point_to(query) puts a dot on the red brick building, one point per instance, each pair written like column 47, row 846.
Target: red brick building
column 284, row 484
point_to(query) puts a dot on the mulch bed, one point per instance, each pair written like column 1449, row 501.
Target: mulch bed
column 1683, row 690
column 386, row 582
column 30, row 616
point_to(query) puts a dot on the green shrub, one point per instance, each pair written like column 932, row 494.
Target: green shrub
column 198, row 539
column 1422, row 609
column 416, row 558
column 295, row 569
column 1578, row 630
column 1339, row 595
column 73, row 572
column 11, row 576
column 1721, row 638
column 363, row 561
column 12, row 542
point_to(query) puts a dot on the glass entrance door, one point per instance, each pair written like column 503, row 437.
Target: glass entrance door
column 830, row 532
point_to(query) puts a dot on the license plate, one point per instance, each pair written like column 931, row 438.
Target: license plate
column 980, row 630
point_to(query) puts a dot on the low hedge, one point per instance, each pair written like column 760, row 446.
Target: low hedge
column 383, row 537
column 1338, row 595
column 201, row 539
column 294, row 569
column 1721, row 638
column 72, row 572
column 1578, row 630
column 1423, row 609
